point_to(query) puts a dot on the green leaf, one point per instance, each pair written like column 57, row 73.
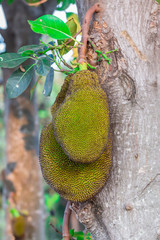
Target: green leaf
column 65, row 4
column 79, row 235
column 88, row 236
column 11, row 60
column 43, row 66
column 14, row 212
column 1, row 1
column 34, row 48
column 42, row 114
column 73, row 29
column 68, row 14
column 71, row 231
column 50, row 200
column 50, row 25
column 48, row 83
column 10, row 1
column 27, row 53
column 158, row 1
column 19, row 81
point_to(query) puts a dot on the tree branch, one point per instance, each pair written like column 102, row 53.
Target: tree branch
column 85, row 29
column 87, row 215
column 65, row 228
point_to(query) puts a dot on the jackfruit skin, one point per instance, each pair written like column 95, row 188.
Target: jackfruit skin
column 81, row 120
column 61, row 95
column 74, row 181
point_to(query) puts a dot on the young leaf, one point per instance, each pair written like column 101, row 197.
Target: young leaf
column 43, row 66
column 50, row 25
column 11, row 60
column 73, row 29
column 76, row 19
column 48, row 83
column 19, row 81
column 34, row 48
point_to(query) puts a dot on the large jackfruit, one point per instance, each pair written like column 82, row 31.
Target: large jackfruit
column 73, row 181
column 81, row 118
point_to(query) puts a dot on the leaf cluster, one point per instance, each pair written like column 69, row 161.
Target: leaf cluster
column 42, row 56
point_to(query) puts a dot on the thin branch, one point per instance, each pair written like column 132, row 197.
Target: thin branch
column 85, row 29
column 66, row 218
column 70, row 40
column 55, row 229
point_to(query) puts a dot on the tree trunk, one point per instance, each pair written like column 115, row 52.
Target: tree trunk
column 22, row 128
column 128, row 207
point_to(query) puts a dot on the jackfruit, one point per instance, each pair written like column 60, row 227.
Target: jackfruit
column 61, row 95
column 74, row 181
column 19, row 226
column 81, row 119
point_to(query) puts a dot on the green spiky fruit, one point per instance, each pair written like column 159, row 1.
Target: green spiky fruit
column 73, row 181
column 81, row 120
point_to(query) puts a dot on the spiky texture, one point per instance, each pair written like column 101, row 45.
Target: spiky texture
column 81, row 119
column 73, row 181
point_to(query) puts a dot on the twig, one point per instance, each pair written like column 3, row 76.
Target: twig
column 85, row 29
column 70, row 40
column 66, row 218
column 55, row 229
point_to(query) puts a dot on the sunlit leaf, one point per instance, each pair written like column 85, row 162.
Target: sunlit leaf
column 50, row 25
column 19, row 81
column 43, row 66
column 11, row 60
column 48, row 83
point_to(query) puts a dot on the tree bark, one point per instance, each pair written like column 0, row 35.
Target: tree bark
column 128, row 207
column 22, row 127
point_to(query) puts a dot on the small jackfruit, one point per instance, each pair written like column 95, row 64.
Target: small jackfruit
column 72, row 180
column 81, row 118
column 19, row 226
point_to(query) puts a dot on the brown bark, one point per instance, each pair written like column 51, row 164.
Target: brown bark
column 128, row 207
column 22, row 126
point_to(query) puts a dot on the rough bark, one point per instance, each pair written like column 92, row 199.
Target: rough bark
column 22, row 126
column 129, row 203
